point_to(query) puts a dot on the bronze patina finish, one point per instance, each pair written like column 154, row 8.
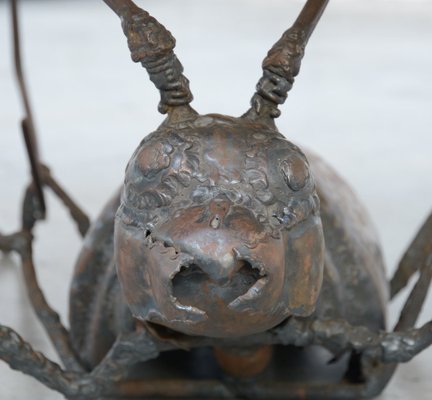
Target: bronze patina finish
column 229, row 249
column 227, row 241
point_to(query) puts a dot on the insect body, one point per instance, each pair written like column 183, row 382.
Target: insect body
column 228, row 241
column 227, row 250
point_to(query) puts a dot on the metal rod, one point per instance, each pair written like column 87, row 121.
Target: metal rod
column 35, row 166
column 27, row 125
column 121, row 6
column 421, row 246
column 417, row 297
column 309, row 17
column 78, row 215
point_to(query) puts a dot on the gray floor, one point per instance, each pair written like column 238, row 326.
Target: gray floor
column 363, row 101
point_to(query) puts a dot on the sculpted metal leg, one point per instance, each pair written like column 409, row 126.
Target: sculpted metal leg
column 410, row 263
column 20, row 356
column 14, row 242
column 21, row 243
column 385, row 347
column 374, row 355
column 81, row 220
column 127, row 350
column 33, row 210
column 381, row 352
column 78, row 216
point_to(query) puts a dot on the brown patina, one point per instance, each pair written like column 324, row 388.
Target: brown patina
column 228, row 260
column 241, row 262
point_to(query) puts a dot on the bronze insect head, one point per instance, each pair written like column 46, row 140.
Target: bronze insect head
column 219, row 232
column 228, row 250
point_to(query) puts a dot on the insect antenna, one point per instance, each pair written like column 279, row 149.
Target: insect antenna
column 282, row 64
column 152, row 45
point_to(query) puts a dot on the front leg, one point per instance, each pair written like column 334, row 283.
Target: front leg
column 127, row 350
column 386, row 347
column 374, row 355
column 339, row 336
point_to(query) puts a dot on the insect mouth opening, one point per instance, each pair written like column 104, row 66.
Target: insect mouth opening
column 164, row 333
column 194, row 287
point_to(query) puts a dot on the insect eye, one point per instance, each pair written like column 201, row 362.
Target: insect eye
column 296, row 172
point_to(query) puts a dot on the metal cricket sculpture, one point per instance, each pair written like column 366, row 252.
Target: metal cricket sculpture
column 227, row 255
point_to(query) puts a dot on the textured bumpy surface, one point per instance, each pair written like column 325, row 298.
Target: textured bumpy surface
column 216, row 211
column 176, row 221
column 219, row 249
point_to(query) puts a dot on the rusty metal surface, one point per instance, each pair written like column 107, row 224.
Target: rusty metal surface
column 220, row 242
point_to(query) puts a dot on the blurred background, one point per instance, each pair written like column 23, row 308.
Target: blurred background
column 362, row 101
